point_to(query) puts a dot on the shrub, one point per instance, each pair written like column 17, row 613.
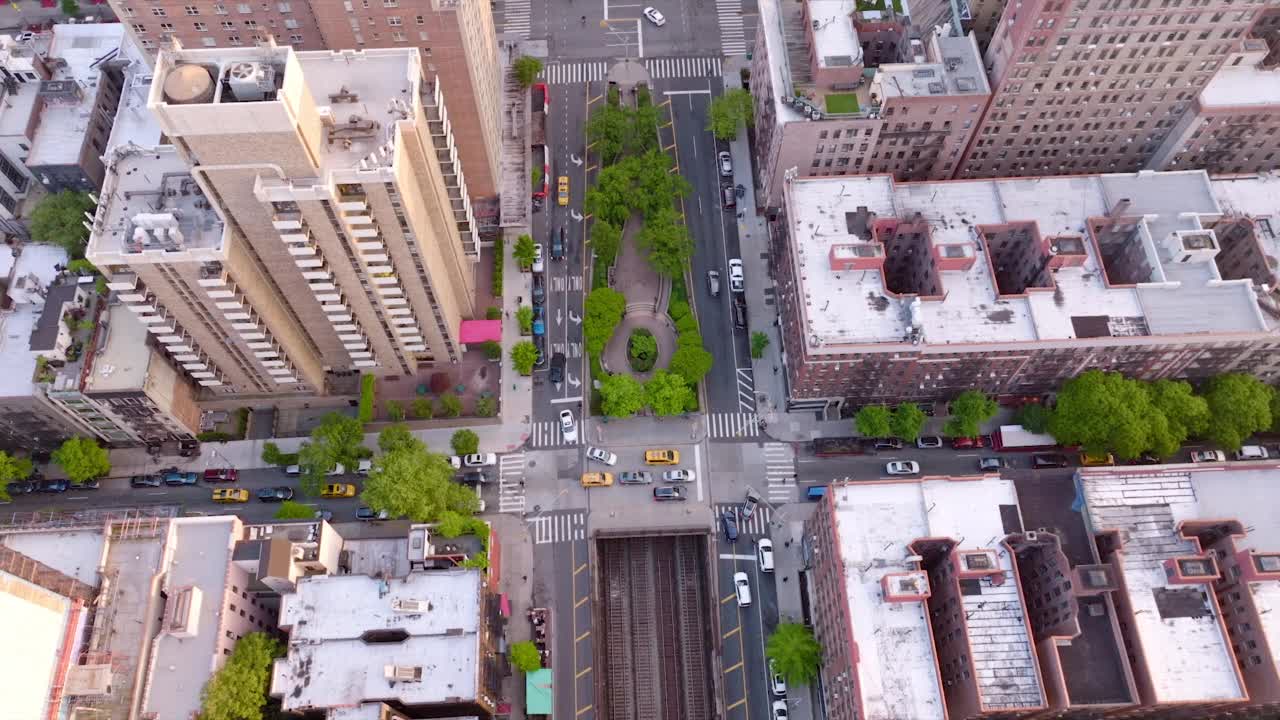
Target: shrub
column 465, row 442
column 525, row 656
column 367, row 385
column 214, row 436
column 493, row 313
column 527, row 70
column 759, row 341
column 492, row 349
column 242, row 423
column 450, row 405
column 395, row 410
column 687, row 324
column 422, row 408
column 524, row 316
column 678, row 309
column 642, row 350
column 486, row 407
column 495, row 287
column 523, row 356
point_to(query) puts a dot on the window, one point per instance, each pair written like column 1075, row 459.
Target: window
column 291, row 24
column 157, row 11
column 421, row 20
column 200, row 27
column 284, row 7
column 296, row 39
column 243, row 8
column 251, row 24
column 397, row 36
column 209, row 42
column 166, row 27
column 228, row 25
column 140, row 28
column 129, row 12
column 220, row 9
column 395, row 21
column 233, row 40
column 390, row 3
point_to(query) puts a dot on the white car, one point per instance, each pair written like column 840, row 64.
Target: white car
column 568, row 426
column 764, row 550
column 779, row 710
column 336, row 470
column 737, row 281
column 678, row 476
column 602, row 455
column 902, row 467
column 456, row 462
column 655, row 17
column 1199, row 456
column 537, row 258
column 776, row 683
column 480, row 460
column 742, row 588
column 363, row 467
column 726, row 164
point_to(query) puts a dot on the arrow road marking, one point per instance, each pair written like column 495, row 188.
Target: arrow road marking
column 573, row 382
column 575, row 159
column 575, row 215
column 573, row 318
column 559, row 317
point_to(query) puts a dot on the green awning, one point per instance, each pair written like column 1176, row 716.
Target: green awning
column 537, row 692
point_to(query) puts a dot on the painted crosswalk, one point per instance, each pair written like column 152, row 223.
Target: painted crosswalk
column 559, row 527
column 746, row 390
column 516, row 17
column 546, row 434
column 780, row 472
column 682, row 67
column 757, row 524
column 575, row 72
column 511, row 483
column 733, row 41
column 733, row 425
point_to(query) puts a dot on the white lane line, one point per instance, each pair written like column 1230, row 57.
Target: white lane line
column 697, row 469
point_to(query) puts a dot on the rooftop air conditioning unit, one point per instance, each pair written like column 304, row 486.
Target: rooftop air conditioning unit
column 250, row 81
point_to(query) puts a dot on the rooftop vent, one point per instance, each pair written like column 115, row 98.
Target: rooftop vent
column 410, row 606
column 403, row 673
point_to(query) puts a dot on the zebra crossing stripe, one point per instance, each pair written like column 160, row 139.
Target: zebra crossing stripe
column 660, row 68
column 510, row 488
column 516, row 17
column 577, row 72
column 559, row 528
column 732, row 38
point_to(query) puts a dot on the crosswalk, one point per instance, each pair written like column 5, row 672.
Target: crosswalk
column 516, row 17
column 780, row 472
column 511, row 483
column 733, row 40
column 682, row 67
column 575, row 72
column 558, row 527
column 732, row 425
column 546, row 434
column 746, row 390
column 757, row 524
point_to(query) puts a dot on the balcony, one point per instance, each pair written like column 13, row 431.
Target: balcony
column 334, row 309
column 320, row 287
column 416, row 348
column 280, row 371
column 266, row 354
column 285, row 380
column 307, row 250
column 203, row 375
column 271, row 364
column 376, row 258
column 351, row 337
column 148, row 306
column 351, row 204
column 390, row 291
column 359, row 218
column 210, row 383
column 394, row 302
column 320, row 274
column 253, row 336
column 370, row 245
column 195, row 366
column 302, row 235
column 360, row 354
column 260, row 345
column 364, row 232
column 122, row 282
column 403, row 320
column 329, row 297
column 396, row 311
column 384, row 281
column 287, row 220
column 364, row 363
column 212, row 276
column 355, row 346
column 309, row 262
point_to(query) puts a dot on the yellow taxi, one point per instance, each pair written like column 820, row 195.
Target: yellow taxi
column 562, row 190
column 662, row 457
column 338, row 490
column 597, row 479
column 1088, row 460
column 230, row 495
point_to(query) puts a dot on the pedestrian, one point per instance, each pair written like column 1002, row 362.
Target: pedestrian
column 784, row 578
column 775, row 369
column 525, row 578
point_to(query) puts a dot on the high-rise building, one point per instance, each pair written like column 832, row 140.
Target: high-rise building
column 455, row 39
column 1088, row 86
column 306, row 225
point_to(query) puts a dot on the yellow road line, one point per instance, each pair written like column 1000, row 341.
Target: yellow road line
column 731, row 632
column 733, row 667
column 582, row 637
column 585, row 709
column 581, row 673
column 589, row 169
column 727, row 598
column 591, row 100
column 579, row 603
column 581, row 567
column 743, row 701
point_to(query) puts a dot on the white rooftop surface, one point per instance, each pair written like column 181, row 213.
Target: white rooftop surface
column 16, row 358
column 1189, row 658
column 134, row 123
column 1256, row 196
column 60, row 134
column 35, row 624
column 779, row 65
column 835, row 41
column 122, row 363
column 75, row 552
column 1242, row 85
column 199, row 554
column 966, row 76
column 844, row 307
column 15, row 111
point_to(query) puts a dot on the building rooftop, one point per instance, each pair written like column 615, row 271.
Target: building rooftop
column 957, row 70
column 1187, row 652
column 20, row 98
column 973, row 261
column 76, row 553
column 347, row 631
column 134, row 123
column 68, row 107
column 32, row 272
column 123, row 356
column 36, row 620
column 835, row 40
column 45, row 334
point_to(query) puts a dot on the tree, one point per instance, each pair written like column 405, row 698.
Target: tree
column 410, row 481
column 1239, row 406
column 1105, row 412
column 70, row 7
column 609, row 128
column 524, row 355
column 795, row 652
column 291, row 510
column 524, row 316
column 643, row 132
column 450, row 405
column 238, row 691
column 969, row 410
column 82, row 459
column 12, row 468
column 1185, row 414
column 523, row 252
column 337, row 440
column 610, row 198
column 873, row 421
column 395, row 437
column 602, row 311
column 621, row 395
column 656, row 187
column 667, row 241
column 395, row 410
column 906, row 422
column 59, row 220
column 668, row 393
column 465, row 442
column 527, row 70
column 759, row 341
column 492, row 349
column 606, row 238
column 525, row 656
column 642, row 348
column 422, row 408
column 271, row 455
column 486, row 407
column 1034, row 417
column 690, row 361
column 727, row 111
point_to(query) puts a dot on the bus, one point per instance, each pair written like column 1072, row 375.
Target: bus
column 1016, row 437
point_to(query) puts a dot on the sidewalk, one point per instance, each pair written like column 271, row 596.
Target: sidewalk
column 788, row 562
column 517, row 584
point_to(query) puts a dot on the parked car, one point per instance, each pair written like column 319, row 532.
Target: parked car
column 749, row 505
column 456, row 462
column 537, row 258
column 601, row 455
column 90, row 484
column 729, row 520
column 539, row 289
column 53, row 486
column 597, row 479
column 991, row 464
column 833, row 447
column 1146, row 459
column 668, row 493
column 568, row 426
column 662, row 457
column 726, row 163
column 338, row 469
column 471, row 477
column 678, row 476
column 180, row 478
column 929, row 441
column 1040, row 461
column 221, row 475
column 964, row 443
column 539, row 321
column 742, row 588
column 557, row 368
column 558, row 245
column 777, row 684
column 902, row 467
column 764, row 551
column 364, row 467
column 655, row 17
column 635, row 478
column 368, row 513
column 20, row 487
column 737, row 280
column 1251, row 452
column 143, row 481
column 779, row 710
column 713, row 283
column 1103, row 460
column 727, row 198
column 1199, row 456
column 540, row 345
column 280, row 493
column 230, row 495
column 338, row 490
column 887, row 443
column 480, row 460
column 293, row 470
column 325, row 515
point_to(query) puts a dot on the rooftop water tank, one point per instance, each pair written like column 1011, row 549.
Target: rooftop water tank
column 188, row 85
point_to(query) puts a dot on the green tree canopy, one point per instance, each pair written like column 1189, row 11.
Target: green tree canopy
column 691, row 361
column 1105, row 412
column 602, row 311
column 524, row 355
column 82, row 459
column 1034, row 417
column 666, row 239
column 621, row 395
column 759, row 341
column 337, row 440
column 873, row 421
column 1184, row 414
column 524, row 316
column 969, row 410
column 639, row 182
column 609, row 129
column 465, row 442
column 668, row 394
column 12, row 468
column 394, row 437
column 525, row 656
column 58, row 220
column 606, row 238
column 238, row 691
column 727, row 111
column 643, row 133
column 451, row 405
column 527, row 70
column 523, row 251
column 293, row 510
column 795, row 652
column 1239, row 406
column 412, row 482
column 906, row 422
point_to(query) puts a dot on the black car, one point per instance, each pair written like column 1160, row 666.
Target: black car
column 472, row 477
column 90, row 484
column 540, row 344
column 557, row 368
column 557, row 245
column 279, row 493
column 730, row 521
column 52, row 486
column 668, row 493
column 888, row 444
column 539, row 289
column 145, row 481
column 368, row 513
column 21, row 487
column 1049, row 460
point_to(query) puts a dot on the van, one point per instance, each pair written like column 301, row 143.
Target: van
column 739, row 313
column 815, row 493
column 742, row 588
column 1252, row 452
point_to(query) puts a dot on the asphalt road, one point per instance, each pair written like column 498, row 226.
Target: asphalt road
column 743, row 630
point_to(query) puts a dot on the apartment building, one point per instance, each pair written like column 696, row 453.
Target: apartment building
column 918, row 291
column 1086, row 87
column 916, row 602
column 850, row 106
column 301, row 229
column 456, row 42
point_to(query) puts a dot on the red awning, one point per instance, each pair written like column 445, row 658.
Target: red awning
column 478, row 331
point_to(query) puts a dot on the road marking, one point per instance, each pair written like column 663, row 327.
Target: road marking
column 157, row 493
column 581, row 673
column 580, row 568
column 86, row 497
column 685, row 92
column 582, row 637
column 733, row 667
column 742, row 701
column 580, row 602
column 697, row 471
column 585, row 709
column 575, row 398
column 727, row 598
column 729, row 634
column 736, row 557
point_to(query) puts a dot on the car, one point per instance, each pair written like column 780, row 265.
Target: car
column 713, row 283
column 480, row 503
column 338, row 490
column 557, row 245
column 475, row 460
column 337, row 469
column 230, row 495
column 726, row 163
column 540, row 345
column 1199, row 456
column 539, row 322
column 764, row 551
column 902, row 467
column 557, row 368
column 52, row 486
column 742, row 588
column 1103, row 460
column 368, row 513
column 1040, row 461
column 662, row 457
column 537, row 258
column 540, row 287
column 749, row 505
column 928, row 441
column 678, row 476
column 325, row 515
column 655, row 17
column 668, row 493
column 602, row 455
column 90, row 484
column 221, row 475
column 991, row 464
column 279, row 493
column 737, row 279
column 887, row 444
column 729, row 521
column 568, row 426
column 597, row 479
column 780, row 710
column 1147, row 458
column 471, row 477
column 739, row 311
column 23, row 487
column 727, row 198
column 964, row 443
column 143, row 481
column 1251, row 452
column 456, row 462
column 179, row 478
column 635, row 478
column 293, row 470
column 777, row 684
column 364, row 467
column 562, row 190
